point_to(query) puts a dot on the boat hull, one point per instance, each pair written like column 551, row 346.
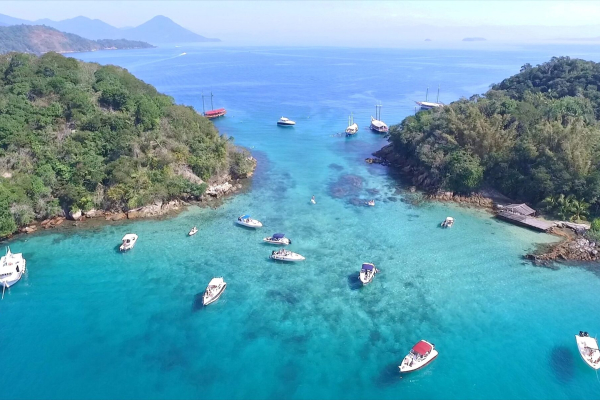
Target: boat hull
column 582, row 342
column 206, row 301
column 416, row 366
column 378, row 129
column 295, row 258
column 212, row 114
column 285, row 124
column 283, row 242
column 253, row 224
column 12, row 280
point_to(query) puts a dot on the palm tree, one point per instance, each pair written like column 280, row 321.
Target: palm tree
column 563, row 206
column 579, row 209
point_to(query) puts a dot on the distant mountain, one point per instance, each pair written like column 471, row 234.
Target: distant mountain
column 38, row 39
column 474, row 39
column 8, row 20
column 159, row 29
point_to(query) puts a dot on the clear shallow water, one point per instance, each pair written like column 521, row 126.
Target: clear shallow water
column 88, row 322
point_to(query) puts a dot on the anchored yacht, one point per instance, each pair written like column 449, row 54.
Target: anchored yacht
column 245, row 220
column 279, row 239
column 419, row 356
column 283, row 121
column 214, row 290
column 12, row 267
column 129, row 241
column 448, row 222
column 588, row 348
column 352, row 128
column 286, row 255
column 367, row 272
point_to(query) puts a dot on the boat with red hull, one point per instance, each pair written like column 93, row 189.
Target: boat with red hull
column 215, row 113
column 212, row 114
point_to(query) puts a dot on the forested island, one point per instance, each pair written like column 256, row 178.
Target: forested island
column 534, row 137
column 79, row 136
column 39, row 39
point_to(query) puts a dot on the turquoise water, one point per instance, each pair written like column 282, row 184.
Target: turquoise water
column 88, row 322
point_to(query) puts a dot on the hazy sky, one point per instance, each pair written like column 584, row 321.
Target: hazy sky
column 311, row 22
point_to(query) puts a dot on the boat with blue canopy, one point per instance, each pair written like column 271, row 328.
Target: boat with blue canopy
column 278, row 239
column 367, row 272
column 245, row 220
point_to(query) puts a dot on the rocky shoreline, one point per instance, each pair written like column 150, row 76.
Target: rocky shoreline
column 214, row 195
column 575, row 246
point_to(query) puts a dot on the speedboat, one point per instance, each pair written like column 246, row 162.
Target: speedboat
column 278, row 238
column 420, row 355
column 245, row 220
column 367, row 272
column 12, row 267
column 370, row 203
column 129, row 241
column 193, row 231
column 448, row 222
column 286, row 255
column 313, row 201
column 283, row 121
column 378, row 126
column 214, row 290
column 352, row 126
column 588, row 348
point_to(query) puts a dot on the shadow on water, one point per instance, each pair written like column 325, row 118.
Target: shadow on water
column 197, row 303
column 388, row 375
column 354, row 282
column 562, row 363
column 286, row 297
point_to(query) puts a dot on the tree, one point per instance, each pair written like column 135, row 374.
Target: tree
column 464, row 172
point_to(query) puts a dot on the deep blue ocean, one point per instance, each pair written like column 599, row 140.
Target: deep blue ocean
column 89, row 323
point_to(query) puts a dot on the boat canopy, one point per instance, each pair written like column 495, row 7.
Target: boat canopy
column 422, row 348
column 246, row 216
column 278, row 235
column 367, row 266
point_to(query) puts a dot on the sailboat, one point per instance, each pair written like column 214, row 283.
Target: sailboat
column 212, row 113
column 352, row 126
column 377, row 125
column 427, row 105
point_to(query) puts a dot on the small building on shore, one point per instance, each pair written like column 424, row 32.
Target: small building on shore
column 523, row 215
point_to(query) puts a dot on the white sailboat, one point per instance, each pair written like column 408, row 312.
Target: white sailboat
column 377, row 125
column 352, row 128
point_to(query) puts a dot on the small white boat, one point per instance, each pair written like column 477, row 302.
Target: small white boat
column 193, row 231
column 370, row 203
column 352, row 126
column 283, row 121
column 367, row 272
column 279, row 239
column 214, row 290
column 245, row 220
column 313, row 201
column 286, row 255
column 12, row 267
column 129, row 241
column 448, row 222
column 420, row 355
column 588, row 348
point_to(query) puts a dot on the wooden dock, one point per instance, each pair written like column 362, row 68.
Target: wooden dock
column 527, row 222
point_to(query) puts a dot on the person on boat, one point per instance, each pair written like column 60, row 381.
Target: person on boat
column 312, row 200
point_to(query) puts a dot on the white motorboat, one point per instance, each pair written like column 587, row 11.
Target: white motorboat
column 420, row 355
column 283, row 121
column 245, row 220
column 370, row 203
column 279, row 239
column 286, row 255
column 312, row 200
column 588, row 348
column 448, row 222
column 129, row 241
column 367, row 272
column 214, row 290
column 352, row 128
column 12, row 267
column 193, row 231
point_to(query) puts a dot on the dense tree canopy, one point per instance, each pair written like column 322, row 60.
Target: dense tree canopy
column 77, row 135
column 534, row 135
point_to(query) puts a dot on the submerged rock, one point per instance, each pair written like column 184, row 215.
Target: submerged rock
column 346, row 185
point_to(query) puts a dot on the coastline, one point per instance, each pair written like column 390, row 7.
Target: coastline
column 574, row 246
column 214, row 196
